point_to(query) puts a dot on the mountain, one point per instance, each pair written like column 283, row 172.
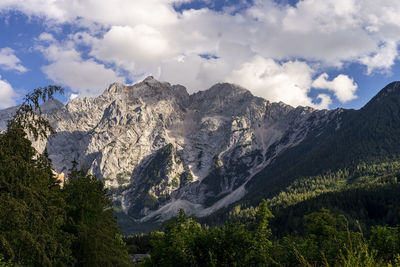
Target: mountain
column 353, row 170
column 159, row 149
column 368, row 135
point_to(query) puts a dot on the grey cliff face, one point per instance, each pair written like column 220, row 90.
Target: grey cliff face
column 160, row 149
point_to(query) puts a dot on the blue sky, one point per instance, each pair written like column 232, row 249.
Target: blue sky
column 322, row 53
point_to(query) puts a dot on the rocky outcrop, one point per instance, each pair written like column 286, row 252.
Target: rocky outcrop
column 159, row 149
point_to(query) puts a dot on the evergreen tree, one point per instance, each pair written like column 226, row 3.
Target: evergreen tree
column 97, row 241
column 32, row 207
column 176, row 245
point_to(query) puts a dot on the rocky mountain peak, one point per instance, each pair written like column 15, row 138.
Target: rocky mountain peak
column 149, row 91
column 150, row 80
column 159, row 149
column 115, row 88
column 225, row 98
column 224, row 91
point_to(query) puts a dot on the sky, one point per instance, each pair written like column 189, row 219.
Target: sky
column 319, row 53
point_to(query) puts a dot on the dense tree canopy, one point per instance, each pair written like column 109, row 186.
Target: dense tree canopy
column 328, row 241
column 97, row 241
column 185, row 242
column 32, row 206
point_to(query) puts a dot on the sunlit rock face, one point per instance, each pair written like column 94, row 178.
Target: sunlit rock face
column 160, row 149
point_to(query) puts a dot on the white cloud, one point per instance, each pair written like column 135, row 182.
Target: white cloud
column 9, row 61
column 324, row 101
column 332, row 32
column 68, row 68
column 116, row 12
column 141, row 46
column 149, row 37
column 7, row 94
column 383, row 59
column 289, row 82
column 46, row 37
column 343, row 86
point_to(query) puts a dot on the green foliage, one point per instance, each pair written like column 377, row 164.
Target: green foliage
column 97, row 241
column 138, row 243
column 328, row 241
column 185, row 242
column 32, row 206
column 4, row 263
column 29, row 114
column 326, row 235
column 386, row 241
column 173, row 247
column 361, row 175
column 370, row 204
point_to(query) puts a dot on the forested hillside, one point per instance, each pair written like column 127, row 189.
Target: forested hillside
column 365, row 136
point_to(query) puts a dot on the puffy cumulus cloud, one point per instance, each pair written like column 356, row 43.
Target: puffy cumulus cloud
column 150, row 37
column 383, row 59
column 343, row 86
column 134, row 48
column 84, row 76
column 330, row 31
column 9, row 61
column 45, row 8
column 7, row 94
column 325, row 16
column 46, row 37
column 324, row 101
column 104, row 12
column 289, row 82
